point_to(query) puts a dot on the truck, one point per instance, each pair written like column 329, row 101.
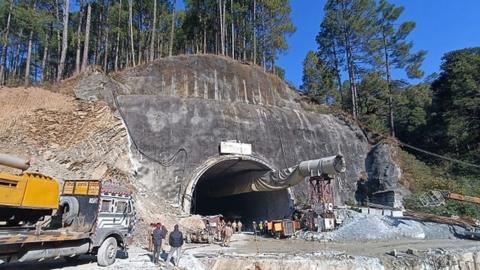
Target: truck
column 282, row 228
column 37, row 222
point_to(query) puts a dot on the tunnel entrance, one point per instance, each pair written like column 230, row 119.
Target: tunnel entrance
column 248, row 207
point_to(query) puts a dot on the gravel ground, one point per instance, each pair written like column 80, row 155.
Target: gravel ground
column 247, row 251
column 363, row 227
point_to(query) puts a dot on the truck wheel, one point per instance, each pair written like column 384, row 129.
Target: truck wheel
column 107, row 252
column 70, row 209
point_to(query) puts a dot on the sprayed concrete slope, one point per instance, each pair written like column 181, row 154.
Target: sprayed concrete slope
column 179, row 109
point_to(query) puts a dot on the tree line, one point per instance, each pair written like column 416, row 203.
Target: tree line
column 49, row 40
column 361, row 45
column 363, row 41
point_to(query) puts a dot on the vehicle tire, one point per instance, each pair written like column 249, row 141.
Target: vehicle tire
column 107, row 252
column 69, row 206
column 74, row 258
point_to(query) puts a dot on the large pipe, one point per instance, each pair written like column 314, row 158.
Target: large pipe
column 281, row 179
column 14, row 162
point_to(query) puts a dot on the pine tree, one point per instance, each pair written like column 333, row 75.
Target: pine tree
column 86, row 44
column 396, row 49
column 63, row 56
column 317, row 80
column 5, row 42
column 350, row 24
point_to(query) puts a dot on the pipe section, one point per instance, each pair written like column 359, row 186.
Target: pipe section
column 282, row 179
column 14, row 162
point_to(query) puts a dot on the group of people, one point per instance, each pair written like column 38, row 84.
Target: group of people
column 260, row 228
column 226, row 230
column 175, row 240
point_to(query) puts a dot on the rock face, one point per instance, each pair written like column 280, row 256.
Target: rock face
column 383, row 176
column 177, row 111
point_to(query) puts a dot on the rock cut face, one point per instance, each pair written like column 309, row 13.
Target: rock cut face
column 179, row 109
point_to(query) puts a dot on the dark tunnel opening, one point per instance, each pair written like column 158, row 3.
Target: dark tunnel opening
column 247, row 207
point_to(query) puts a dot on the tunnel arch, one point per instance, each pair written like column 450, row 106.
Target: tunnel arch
column 248, row 206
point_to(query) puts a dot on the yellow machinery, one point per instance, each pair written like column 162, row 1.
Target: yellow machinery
column 25, row 197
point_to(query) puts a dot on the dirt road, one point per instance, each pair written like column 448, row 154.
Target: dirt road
column 246, row 244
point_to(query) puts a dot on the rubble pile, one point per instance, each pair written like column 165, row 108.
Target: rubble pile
column 192, row 223
column 316, row 260
column 67, row 139
column 73, row 139
column 364, row 227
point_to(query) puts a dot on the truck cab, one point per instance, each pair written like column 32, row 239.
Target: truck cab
column 93, row 217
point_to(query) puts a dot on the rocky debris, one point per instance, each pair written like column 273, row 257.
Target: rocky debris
column 192, row 223
column 451, row 259
column 365, row 227
column 67, row 139
column 72, row 139
column 316, row 260
column 94, row 85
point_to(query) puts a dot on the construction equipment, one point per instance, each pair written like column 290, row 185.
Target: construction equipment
column 91, row 217
column 282, row 228
column 436, row 198
column 281, row 179
column 25, row 197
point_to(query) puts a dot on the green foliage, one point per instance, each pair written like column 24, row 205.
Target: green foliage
column 455, row 122
column 270, row 26
column 318, row 80
column 372, row 102
column 363, row 37
column 451, row 208
column 391, row 48
column 412, row 108
column 423, row 178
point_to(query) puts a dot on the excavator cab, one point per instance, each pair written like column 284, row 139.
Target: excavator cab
column 26, row 197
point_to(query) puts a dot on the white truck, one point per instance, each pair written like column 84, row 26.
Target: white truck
column 93, row 217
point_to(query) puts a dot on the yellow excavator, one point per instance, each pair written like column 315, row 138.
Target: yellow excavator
column 25, row 197
column 37, row 222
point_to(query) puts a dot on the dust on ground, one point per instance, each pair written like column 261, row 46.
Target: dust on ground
column 246, row 247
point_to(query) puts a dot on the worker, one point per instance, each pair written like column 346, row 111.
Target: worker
column 260, row 228
column 265, row 227
column 221, row 225
column 228, row 232
column 254, row 226
column 234, row 226
column 157, row 237
column 150, row 239
column 239, row 226
column 176, row 242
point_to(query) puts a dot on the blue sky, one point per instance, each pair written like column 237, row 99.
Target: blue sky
column 442, row 26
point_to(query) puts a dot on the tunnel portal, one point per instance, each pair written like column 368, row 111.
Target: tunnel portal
column 248, row 207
